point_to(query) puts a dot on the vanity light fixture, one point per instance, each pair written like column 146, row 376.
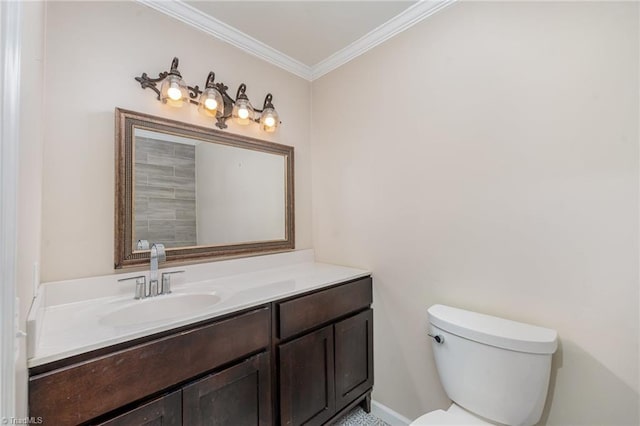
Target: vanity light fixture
column 269, row 119
column 242, row 109
column 173, row 90
column 214, row 101
column 211, row 102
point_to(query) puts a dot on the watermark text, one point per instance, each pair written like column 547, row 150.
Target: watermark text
column 22, row 420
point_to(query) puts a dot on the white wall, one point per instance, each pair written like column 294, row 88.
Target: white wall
column 30, row 177
column 487, row 158
column 240, row 195
column 94, row 50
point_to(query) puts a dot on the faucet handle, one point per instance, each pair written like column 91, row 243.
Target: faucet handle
column 141, row 284
column 166, row 281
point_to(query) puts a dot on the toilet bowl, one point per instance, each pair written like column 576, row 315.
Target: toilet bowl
column 496, row 371
column 454, row 415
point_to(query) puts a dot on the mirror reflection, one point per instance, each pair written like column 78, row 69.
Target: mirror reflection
column 190, row 192
column 201, row 192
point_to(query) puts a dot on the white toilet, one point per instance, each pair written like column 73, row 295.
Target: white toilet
column 495, row 371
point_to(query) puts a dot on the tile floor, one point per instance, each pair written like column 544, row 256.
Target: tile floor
column 358, row 417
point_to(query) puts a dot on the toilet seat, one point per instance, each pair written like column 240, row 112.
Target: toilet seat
column 453, row 416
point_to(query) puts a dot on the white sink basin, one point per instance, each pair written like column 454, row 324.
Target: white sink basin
column 160, row 308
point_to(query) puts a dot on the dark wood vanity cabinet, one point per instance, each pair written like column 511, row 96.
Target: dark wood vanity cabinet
column 302, row 360
column 239, row 395
column 353, row 343
column 327, row 370
column 163, row 411
column 307, row 393
column 94, row 388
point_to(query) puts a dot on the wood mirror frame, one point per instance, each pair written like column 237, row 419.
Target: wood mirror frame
column 125, row 256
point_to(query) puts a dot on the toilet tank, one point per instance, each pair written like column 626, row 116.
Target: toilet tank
column 496, row 368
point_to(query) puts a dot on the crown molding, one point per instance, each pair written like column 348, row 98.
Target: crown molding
column 200, row 20
column 384, row 32
column 191, row 16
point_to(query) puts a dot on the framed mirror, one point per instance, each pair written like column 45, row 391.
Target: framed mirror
column 201, row 192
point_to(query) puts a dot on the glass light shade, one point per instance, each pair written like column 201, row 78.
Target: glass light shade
column 174, row 91
column 242, row 112
column 211, row 103
column 269, row 120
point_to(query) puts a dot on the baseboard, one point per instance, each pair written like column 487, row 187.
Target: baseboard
column 387, row 415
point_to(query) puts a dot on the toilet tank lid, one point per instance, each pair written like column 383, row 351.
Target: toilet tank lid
column 494, row 331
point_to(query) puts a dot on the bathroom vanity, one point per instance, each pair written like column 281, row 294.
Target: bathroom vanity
column 291, row 352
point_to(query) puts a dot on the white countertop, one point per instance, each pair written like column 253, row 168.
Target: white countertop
column 64, row 324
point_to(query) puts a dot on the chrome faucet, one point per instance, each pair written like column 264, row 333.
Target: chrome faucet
column 157, row 255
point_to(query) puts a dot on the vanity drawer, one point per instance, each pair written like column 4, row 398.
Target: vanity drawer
column 80, row 392
column 307, row 312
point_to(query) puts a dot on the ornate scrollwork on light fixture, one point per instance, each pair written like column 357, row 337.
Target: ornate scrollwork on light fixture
column 213, row 101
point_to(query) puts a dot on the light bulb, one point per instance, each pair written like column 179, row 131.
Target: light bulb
column 173, row 92
column 269, row 121
column 242, row 111
column 210, row 104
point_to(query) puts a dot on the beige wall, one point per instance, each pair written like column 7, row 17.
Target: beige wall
column 94, row 51
column 487, row 158
column 30, row 177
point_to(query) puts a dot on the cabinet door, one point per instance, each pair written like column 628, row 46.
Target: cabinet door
column 307, row 394
column 354, row 357
column 164, row 411
column 237, row 396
